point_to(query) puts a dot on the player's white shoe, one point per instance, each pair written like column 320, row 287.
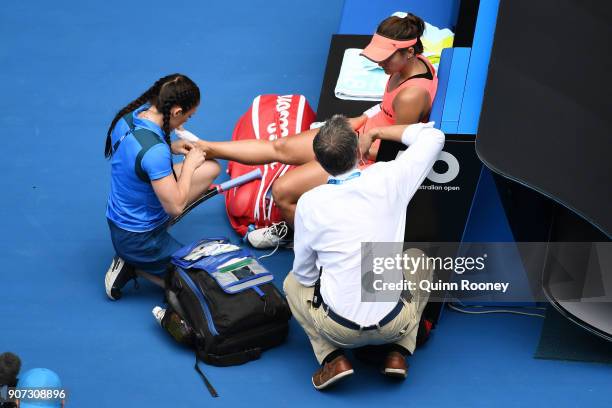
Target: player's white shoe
column 270, row 237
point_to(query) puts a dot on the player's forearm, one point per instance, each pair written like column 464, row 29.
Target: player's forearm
column 243, row 151
column 392, row 133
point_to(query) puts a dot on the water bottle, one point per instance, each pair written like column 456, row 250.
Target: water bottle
column 178, row 328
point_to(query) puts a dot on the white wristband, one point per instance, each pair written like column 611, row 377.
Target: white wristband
column 186, row 135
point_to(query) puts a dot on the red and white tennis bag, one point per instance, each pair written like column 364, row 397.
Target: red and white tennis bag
column 251, row 206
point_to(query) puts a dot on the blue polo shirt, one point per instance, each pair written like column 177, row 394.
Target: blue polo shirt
column 132, row 203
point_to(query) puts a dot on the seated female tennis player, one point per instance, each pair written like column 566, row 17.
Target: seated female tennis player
column 407, row 99
column 147, row 190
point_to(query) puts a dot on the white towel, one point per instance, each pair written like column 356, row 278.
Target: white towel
column 360, row 78
column 363, row 80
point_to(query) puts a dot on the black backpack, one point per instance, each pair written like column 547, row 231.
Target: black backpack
column 229, row 307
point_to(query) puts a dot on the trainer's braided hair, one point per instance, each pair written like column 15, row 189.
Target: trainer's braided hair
column 152, row 96
column 403, row 28
column 182, row 92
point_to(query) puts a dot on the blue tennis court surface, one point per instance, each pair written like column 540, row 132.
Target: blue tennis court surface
column 66, row 68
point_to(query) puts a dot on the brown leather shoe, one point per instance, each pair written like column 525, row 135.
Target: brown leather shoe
column 331, row 372
column 395, row 365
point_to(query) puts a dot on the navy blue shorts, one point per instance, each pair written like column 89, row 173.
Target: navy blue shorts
column 148, row 251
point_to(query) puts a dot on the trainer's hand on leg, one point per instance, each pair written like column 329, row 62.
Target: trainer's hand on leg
column 194, row 158
column 365, row 142
column 181, row 147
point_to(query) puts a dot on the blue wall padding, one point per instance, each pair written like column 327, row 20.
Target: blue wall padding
column 363, row 16
column 446, row 62
column 479, row 65
column 455, row 88
column 456, row 84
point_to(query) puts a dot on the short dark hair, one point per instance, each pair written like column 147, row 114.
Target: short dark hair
column 10, row 365
column 336, row 146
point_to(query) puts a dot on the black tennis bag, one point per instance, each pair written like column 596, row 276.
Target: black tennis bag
column 223, row 303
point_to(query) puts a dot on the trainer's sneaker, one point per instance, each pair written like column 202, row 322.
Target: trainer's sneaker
column 270, row 237
column 117, row 276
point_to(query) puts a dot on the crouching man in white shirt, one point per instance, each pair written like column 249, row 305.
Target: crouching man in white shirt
column 331, row 222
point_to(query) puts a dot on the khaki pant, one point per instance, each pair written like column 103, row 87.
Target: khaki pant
column 326, row 335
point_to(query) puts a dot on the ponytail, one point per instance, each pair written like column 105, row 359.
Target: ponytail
column 182, row 92
column 150, row 96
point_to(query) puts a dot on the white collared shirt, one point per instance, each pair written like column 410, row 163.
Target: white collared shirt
column 332, row 220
